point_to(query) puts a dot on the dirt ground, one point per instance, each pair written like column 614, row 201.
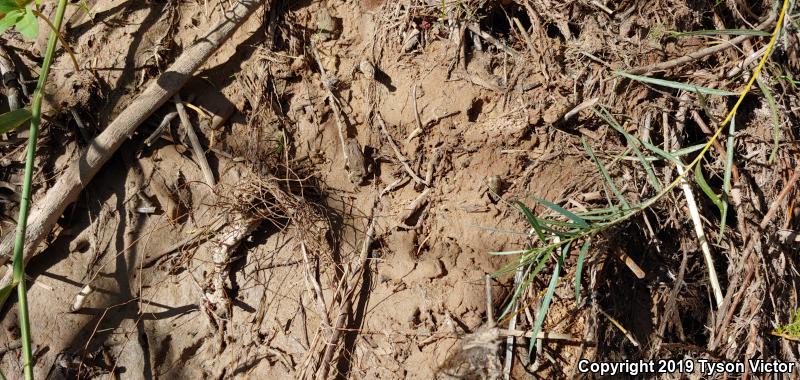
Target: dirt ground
column 368, row 155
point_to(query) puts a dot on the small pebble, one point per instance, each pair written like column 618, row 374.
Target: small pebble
column 367, row 68
column 495, row 185
column 411, row 40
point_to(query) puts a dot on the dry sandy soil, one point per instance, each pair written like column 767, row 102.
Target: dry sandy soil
column 366, row 219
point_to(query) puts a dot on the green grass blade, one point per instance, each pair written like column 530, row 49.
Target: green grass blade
column 542, row 256
column 684, row 151
column 548, row 297
column 605, row 174
column 532, row 220
column 774, row 116
column 669, row 155
column 676, row 85
column 721, row 32
column 18, row 271
column 701, row 181
column 12, row 120
column 6, row 292
column 526, row 280
column 633, row 142
column 579, row 269
column 578, row 220
column 598, row 213
column 559, row 223
column 664, row 154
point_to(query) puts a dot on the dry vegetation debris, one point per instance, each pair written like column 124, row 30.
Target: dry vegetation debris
column 328, row 192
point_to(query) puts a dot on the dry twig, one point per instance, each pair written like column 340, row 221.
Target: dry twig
column 85, row 166
column 197, row 148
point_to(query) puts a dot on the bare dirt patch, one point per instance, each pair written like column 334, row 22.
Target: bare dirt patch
column 368, row 156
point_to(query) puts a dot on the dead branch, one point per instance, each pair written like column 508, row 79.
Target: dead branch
column 82, row 169
column 197, row 149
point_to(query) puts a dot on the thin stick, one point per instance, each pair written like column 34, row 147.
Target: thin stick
column 474, row 28
column 543, row 335
column 773, row 208
column 525, row 35
column 589, row 103
column 81, row 126
column 694, row 214
column 164, row 123
column 400, row 157
column 700, row 53
column 353, row 158
column 489, row 303
column 619, row 326
column 419, row 129
column 195, row 238
column 318, row 296
column 84, row 167
column 197, row 149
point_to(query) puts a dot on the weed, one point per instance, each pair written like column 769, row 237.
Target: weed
column 555, row 234
column 790, row 330
column 24, row 20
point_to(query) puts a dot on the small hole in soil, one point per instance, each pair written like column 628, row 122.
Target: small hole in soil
column 552, row 31
column 499, row 19
column 575, row 29
column 475, row 110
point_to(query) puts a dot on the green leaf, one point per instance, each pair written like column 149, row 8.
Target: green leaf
column 605, row 174
column 10, row 19
column 577, row 219
column 701, row 181
column 722, row 32
column 8, row 6
column 28, row 25
column 532, row 220
column 548, row 296
column 633, row 142
column 5, row 292
column 579, row 269
column 14, row 119
column 676, row 85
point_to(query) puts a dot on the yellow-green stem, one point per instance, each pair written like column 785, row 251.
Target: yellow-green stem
column 24, row 206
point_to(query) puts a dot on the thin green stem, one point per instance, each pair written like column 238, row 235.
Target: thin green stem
column 24, row 207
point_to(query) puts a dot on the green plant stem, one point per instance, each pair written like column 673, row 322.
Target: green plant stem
column 25, row 202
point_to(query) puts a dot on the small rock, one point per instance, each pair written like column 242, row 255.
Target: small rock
column 430, row 269
column 411, row 40
column 495, row 185
column 367, row 68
